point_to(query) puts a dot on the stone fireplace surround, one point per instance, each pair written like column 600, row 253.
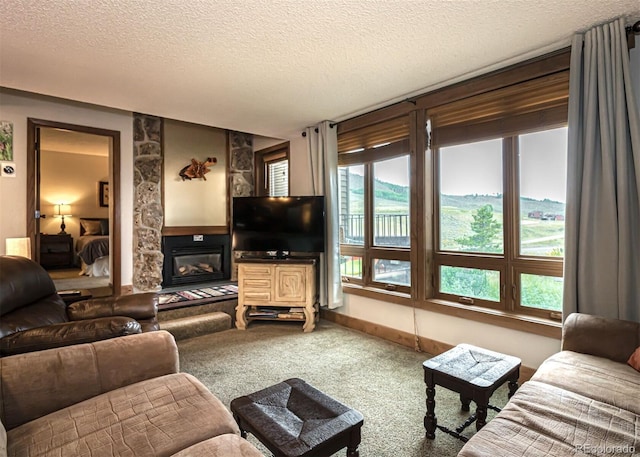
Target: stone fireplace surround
column 148, row 212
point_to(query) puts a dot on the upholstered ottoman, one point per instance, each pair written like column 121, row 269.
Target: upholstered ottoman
column 294, row 419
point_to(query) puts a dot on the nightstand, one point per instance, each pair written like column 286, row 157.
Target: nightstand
column 56, row 251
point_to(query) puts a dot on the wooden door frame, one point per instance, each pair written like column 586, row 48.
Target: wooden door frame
column 33, row 190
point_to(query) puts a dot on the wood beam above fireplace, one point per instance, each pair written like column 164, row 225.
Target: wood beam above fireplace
column 195, row 230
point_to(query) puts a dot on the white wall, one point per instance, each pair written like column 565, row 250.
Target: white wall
column 299, row 167
column 532, row 349
column 16, row 107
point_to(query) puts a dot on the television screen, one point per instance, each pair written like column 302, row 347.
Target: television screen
column 291, row 224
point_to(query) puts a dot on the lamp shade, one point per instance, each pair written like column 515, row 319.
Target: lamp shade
column 19, row 246
column 62, row 209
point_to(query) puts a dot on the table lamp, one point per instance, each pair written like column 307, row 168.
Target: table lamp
column 62, row 210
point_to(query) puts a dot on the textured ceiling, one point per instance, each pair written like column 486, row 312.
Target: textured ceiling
column 273, row 67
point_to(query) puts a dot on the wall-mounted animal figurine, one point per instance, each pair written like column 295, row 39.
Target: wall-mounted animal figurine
column 197, row 169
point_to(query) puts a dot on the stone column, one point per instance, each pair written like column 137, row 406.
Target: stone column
column 148, row 213
column 241, row 176
column 241, row 164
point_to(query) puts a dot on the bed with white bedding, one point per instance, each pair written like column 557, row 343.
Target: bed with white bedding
column 92, row 247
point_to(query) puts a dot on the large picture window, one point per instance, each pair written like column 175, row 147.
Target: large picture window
column 374, row 213
column 455, row 199
column 500, row 225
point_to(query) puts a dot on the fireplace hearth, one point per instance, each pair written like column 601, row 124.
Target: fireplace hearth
column 195, row 259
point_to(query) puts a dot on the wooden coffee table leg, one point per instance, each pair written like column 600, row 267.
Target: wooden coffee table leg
column 243, row 432
column 481, row 416
column 354, row 442
column 465, row 402
column 430, row 420
column 513, row 386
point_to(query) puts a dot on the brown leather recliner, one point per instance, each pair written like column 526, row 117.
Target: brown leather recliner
column 34, row 317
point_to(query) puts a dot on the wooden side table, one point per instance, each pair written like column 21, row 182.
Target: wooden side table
column 475, row 374
column 56, row 251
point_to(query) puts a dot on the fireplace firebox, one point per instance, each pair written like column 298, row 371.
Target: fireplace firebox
column 193, row 259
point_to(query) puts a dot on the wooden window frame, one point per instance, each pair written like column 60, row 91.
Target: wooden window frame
column 367, row 155
column 262, row 159
column 510, row 263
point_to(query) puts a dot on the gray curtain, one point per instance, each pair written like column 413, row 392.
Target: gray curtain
column 322, row 146
column 602, row 247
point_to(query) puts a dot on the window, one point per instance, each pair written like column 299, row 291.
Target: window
column 482, row 200
column 278, row 178
column 500, row 199
column 374, row 212
column 272, row 171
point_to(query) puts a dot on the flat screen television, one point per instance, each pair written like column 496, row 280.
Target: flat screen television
column 278, row 224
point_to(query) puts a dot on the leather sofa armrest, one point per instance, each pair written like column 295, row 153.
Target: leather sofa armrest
column 137, row 306
column 38, row 383
column 613, row 339
column 67, row 333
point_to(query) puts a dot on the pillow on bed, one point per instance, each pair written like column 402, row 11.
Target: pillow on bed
column 104, row 226
column 91, row 227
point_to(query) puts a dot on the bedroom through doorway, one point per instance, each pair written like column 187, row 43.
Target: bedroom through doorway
column 73, row 229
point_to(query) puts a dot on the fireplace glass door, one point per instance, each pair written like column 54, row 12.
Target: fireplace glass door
column 195, row 259
column 197, row 264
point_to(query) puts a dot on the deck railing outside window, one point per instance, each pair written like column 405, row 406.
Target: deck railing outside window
column 391, row 229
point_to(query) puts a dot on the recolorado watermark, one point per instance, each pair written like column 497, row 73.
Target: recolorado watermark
column 625, row 449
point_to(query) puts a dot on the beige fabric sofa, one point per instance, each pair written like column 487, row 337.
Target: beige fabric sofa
column 117, row 397
column 584, row 400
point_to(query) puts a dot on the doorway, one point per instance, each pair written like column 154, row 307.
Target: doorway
column 70, row 204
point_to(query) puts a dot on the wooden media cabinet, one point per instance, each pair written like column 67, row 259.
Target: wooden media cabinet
column 277, row 290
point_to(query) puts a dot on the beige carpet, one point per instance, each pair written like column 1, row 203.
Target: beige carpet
column 383, row 380
column 70, row 278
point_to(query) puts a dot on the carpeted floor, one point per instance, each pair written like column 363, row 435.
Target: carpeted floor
column 70, row 278
column 383, row 380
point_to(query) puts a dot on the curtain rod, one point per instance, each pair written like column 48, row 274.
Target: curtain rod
column 304, row 134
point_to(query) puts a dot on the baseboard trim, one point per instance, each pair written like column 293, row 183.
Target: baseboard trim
column 421, row 343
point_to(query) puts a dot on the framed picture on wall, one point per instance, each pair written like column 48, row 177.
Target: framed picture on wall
column 6, row 141
column 103, row 193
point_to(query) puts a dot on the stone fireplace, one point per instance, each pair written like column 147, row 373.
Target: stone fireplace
column 162, row 147
column 195, row 259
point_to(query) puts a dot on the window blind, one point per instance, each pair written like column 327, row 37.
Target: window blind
column 278, row 173
column 373, row 135
column 503, row 112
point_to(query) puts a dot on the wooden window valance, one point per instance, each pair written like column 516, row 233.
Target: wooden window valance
column 375, row 134
column 502, row 112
